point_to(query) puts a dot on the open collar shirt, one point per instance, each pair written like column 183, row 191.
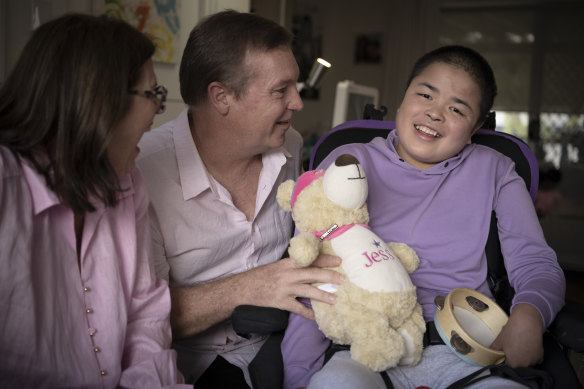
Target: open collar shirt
column 199, row 235
column 99, row 322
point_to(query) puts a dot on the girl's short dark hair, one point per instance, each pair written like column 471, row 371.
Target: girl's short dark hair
column 216, row 50
column 474, row 64
column 63, row 99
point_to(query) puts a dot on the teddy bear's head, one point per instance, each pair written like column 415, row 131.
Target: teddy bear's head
column 322, row 198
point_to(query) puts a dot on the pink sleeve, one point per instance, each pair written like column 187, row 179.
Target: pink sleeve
column 148, row 360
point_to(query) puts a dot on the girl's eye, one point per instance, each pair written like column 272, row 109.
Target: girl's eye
column 456, row 110
column 424, row 95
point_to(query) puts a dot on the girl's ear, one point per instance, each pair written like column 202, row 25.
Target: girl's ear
column 478, row 127
column 218, row 96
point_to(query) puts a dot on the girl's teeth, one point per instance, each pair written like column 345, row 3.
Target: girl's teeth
column 426, row 130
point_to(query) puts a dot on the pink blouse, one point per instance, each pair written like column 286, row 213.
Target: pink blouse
column 100, row 322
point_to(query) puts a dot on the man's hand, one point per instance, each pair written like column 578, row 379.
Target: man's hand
column 521, row 338
column 279, row 283
column 196, row 308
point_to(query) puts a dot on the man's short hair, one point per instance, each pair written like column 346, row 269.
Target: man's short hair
column 216, row 50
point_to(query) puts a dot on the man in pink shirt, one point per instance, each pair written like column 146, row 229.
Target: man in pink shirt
column 212, row 175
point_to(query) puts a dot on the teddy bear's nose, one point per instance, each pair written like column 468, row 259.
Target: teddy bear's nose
column 346, row 159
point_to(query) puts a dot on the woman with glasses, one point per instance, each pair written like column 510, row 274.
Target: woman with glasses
column 79, row 301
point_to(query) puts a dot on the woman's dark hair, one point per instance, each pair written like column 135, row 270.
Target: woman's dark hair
column 471, row 62
column 216, row 50
column 63, row 99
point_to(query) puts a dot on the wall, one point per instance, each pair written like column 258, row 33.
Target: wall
column 2, row 40
column 403, row 38
column 341, row 22
column 407, row 29
column 17, row 23
column 16, row 29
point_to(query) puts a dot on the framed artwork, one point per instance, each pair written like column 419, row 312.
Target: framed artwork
column 158, row 19
column 368, row 48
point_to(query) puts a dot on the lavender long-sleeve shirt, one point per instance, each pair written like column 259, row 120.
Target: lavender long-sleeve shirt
column 444, row 214
column 99, row 322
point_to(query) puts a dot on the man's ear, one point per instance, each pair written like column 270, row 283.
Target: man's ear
column 218, row 96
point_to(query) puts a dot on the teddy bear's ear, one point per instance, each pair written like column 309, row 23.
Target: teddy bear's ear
column 284, row 194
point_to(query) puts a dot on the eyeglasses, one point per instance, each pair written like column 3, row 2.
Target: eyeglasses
column 158, row 95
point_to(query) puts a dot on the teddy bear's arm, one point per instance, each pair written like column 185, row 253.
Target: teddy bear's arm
column 304, row 248
column 406, row 255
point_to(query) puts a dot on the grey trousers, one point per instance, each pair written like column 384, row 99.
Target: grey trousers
column 438, row 368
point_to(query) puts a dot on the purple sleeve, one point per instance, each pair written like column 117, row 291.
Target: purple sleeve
column 532, row 265
column 303, row 349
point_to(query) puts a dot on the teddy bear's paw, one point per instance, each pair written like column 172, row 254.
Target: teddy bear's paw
column 417, row 318
column 407, row 256
column 303, row 249
column 330, row 323
column 409, row 357
column 380, row 353
column 413, row 342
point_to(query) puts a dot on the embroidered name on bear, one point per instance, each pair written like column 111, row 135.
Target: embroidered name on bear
column 377, row 256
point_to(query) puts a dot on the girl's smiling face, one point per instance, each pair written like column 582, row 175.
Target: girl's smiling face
column 438, row 115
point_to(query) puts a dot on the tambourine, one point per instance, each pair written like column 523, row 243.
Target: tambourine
column 468, row 322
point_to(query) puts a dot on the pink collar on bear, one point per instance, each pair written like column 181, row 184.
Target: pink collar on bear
column 335, row 231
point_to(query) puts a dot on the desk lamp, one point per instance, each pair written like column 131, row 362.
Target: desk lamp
column 318, row 69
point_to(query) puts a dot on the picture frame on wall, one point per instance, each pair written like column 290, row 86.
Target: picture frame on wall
column 157, row 19
column 368, row 48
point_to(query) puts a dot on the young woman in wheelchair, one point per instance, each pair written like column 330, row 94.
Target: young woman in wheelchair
column 432, row 189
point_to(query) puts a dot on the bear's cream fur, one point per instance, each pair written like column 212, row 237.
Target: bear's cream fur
column 383, row 325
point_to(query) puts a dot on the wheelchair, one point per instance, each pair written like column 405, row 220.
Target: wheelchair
column 564, row 333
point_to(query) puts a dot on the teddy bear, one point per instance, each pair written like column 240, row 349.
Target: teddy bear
column 376, row 312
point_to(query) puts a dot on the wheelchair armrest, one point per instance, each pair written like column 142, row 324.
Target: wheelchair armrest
column 266, row 370
column 568, row 327
column 248, row 319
